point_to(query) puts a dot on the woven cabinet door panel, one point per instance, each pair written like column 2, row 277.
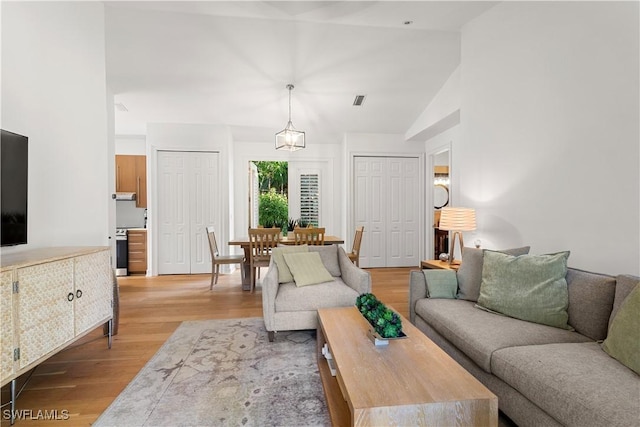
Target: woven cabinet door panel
column 45, row 290
column 93, row 278
column 6, row 325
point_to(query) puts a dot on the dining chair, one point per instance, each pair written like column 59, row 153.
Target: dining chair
column 354, row 255
column 217, row 259
column 308, row 236
column 261, row 244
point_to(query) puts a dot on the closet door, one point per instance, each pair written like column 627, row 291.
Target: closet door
column 205, row 210
column 403, row 212
column 173, row 213
column 188, row 187
column 387, row 202
column 370, row 209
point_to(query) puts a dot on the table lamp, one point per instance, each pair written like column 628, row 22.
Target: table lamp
column 457, row 220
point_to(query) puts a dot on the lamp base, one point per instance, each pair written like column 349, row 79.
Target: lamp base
column 452, row 261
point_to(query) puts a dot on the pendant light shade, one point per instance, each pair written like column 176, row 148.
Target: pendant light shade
column 289, row 138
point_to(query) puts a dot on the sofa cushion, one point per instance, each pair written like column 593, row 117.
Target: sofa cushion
column 479, row 333
column 284, row 273
column 329, row 256
column 324, row 295
column 470, row 271
column 590, row 302
column 623, row 342
column 441, row 283
column 527, row 287
column 577, row 384
column 624, row 285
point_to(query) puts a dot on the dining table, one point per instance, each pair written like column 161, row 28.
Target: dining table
column 243, row 242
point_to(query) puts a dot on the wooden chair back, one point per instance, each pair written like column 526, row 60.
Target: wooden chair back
column 354, row 256
column 213, row 244
column 217, row 259
column 261, row 244
column 309, row 236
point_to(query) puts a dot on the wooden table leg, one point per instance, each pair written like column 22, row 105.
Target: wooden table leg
column 246, row 270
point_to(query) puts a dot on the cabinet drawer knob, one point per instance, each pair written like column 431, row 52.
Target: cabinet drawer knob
column 70, row 296
column 78, row 293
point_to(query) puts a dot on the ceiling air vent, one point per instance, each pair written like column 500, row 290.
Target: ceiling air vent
column 359, row 99
column 121, row 107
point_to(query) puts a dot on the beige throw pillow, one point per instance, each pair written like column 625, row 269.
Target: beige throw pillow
column 623, row 343
column 284, row 274
column 307, row 268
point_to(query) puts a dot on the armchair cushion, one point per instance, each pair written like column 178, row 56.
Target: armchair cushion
column 307, row 268
column 284, row 273
column 330, row 294
column 329, row 256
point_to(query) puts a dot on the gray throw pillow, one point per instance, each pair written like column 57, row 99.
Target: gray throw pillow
column 526, row 287
column 441, row 283
column 470, row 271
column 329, row 256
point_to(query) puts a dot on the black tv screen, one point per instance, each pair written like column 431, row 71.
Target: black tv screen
column 14, row 156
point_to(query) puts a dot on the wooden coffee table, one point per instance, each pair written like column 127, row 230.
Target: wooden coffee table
column 411, row 381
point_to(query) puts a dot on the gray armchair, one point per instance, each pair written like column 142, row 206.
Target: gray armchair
column 287, row 307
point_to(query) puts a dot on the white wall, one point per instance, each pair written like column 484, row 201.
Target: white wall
column 132, row 145
column 549, row 147
column 442, row 113
column 54, row 92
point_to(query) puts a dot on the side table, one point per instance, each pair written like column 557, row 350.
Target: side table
column 437, row 264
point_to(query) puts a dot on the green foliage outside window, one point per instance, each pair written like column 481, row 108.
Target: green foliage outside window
column 274, row 210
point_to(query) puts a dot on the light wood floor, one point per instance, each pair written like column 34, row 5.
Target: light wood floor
column 86, row 377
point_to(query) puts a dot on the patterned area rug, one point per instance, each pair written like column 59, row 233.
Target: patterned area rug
column 225, row 372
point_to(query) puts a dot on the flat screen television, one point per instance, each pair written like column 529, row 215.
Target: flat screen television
column 14, row 162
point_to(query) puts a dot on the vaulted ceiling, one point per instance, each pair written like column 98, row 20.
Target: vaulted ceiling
column 228, row 62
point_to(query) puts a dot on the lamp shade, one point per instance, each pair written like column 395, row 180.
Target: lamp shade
column 457, row 219
column 290, row 139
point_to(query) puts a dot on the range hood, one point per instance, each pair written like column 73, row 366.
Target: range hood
column 125, row 196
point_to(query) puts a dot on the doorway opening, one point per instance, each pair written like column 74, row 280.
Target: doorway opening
column 284, row 195
column 272, row 194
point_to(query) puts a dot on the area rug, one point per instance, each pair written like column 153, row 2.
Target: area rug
column 225, row 372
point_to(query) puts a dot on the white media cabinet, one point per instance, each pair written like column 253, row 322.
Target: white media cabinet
column 49, row 298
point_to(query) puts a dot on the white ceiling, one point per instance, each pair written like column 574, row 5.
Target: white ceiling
column 228, row 62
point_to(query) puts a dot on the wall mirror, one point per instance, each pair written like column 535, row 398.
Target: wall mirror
column 441, row 197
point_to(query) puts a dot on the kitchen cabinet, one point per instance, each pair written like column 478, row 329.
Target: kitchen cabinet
column 50, row 297
column 131, row 177
column 137, row 242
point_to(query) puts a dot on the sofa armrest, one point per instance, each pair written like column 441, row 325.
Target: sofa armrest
column 269, row 291
column 417, row 291
column 355, row 277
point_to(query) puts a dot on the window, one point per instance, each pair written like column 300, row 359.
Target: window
column 310, row 199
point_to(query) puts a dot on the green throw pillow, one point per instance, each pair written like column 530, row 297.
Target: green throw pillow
column 441, row 283
column 527, row 287
column 284, row 274
column 307, row 268
column 622, row 343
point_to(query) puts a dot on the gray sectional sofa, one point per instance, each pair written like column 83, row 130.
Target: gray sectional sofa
column 542, row 375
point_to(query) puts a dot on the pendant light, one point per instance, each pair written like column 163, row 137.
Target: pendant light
column 289, row 138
